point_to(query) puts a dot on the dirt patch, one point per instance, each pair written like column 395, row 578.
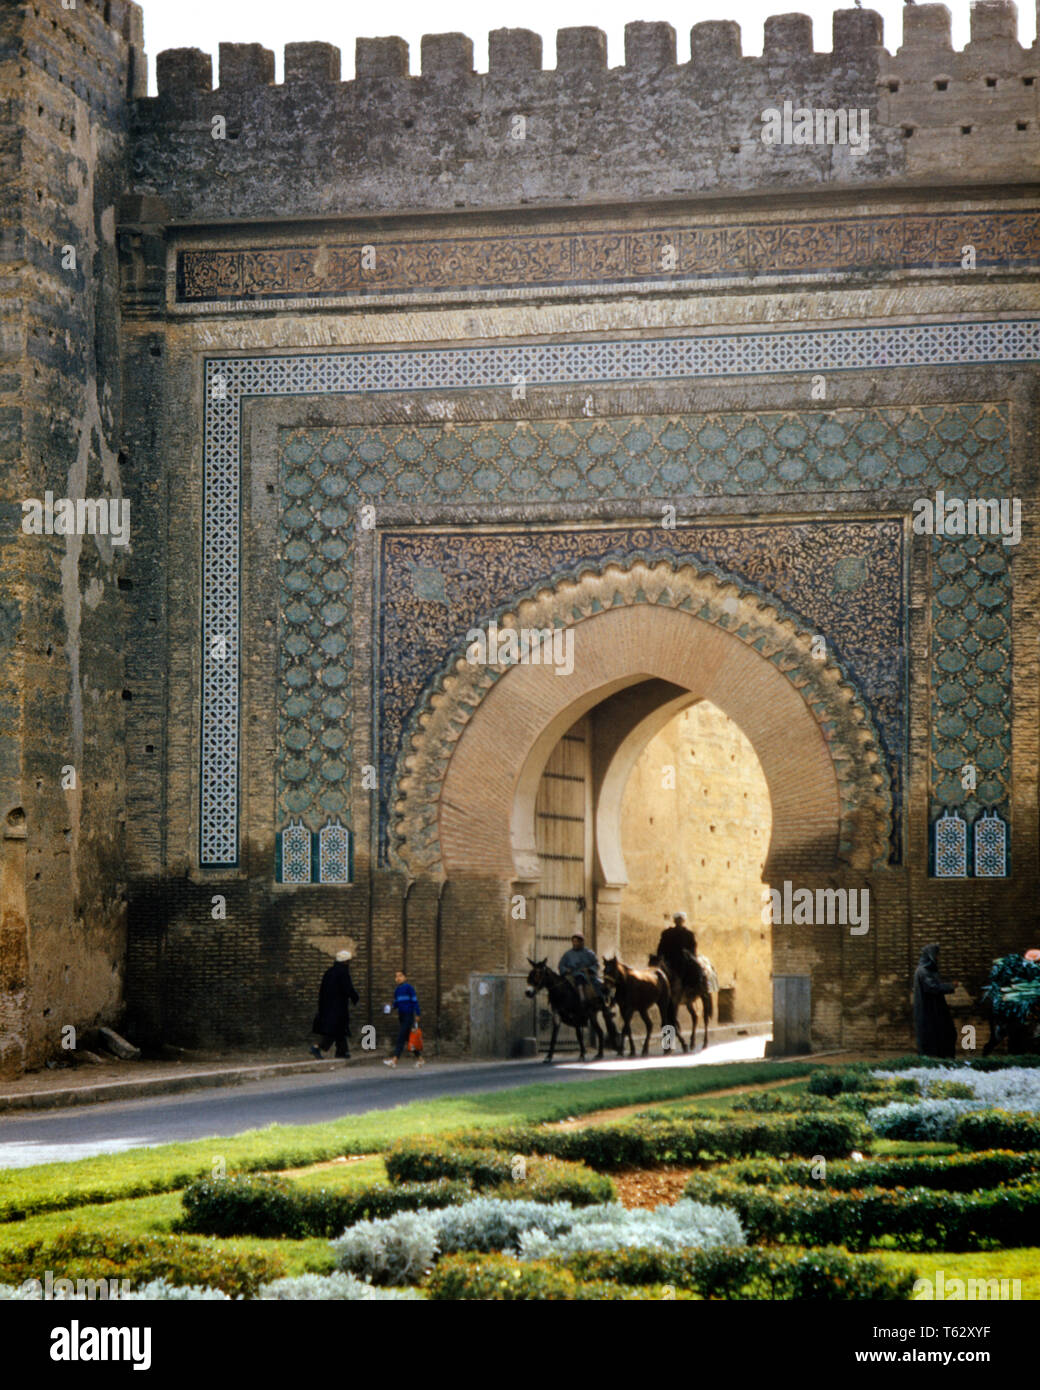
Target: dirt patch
column 650, row 1187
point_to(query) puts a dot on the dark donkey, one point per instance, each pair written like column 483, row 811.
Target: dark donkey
column 639, row 991
column 701, row 983
column 569, row 1007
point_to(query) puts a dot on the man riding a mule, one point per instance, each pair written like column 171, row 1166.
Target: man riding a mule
column 575, row 998
column 581, row 966
column 692, row 976
column 677, row 947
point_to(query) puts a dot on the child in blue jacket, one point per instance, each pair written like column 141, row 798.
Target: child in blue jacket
column 406, row 1002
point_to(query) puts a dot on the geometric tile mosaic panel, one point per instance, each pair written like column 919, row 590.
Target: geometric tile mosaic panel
column 971, row 686
column 326, row 472
column 951, row 846
column 334, row 854
column 228, row 381
column 990, row 834
column 295, row 853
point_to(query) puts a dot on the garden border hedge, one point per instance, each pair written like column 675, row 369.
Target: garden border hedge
column 914, row 1218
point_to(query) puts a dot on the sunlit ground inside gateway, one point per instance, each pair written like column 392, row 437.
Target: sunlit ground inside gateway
column 695, row 827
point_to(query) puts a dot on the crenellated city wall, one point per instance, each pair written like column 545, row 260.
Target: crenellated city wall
column 451, row 138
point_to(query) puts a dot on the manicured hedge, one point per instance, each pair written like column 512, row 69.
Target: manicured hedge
column 542, row 1178
column 849, row 1080
column 784, row 1103
column 80, row 1254
column 421, row 1160
column 643, row 1143
column 653, row 1274
column 501, row 1278
column 915, row 1218
column 997, row 1129
column 748, row 1273
column 247, row 1205
column 270, row 1205
column 950, row 1172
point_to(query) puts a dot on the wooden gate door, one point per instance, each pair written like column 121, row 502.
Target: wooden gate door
column 563, row 821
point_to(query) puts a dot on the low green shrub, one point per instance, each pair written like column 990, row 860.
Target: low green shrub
column 422, row 1160
column 80, row 1254
column 558, row 1180
column 950, row 1172
column 997, row 1129
column 247, row 1205
column 783, row 1103
column 748, row 1273
column 859, row 1077
column 948, row 1090
column 916, row 1218
column 501, row 1278
column 622, row 1274
column 540, row 1178
column 644, row 1143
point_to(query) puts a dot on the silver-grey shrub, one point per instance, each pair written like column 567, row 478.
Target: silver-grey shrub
column 919, row 1120
column 185, row 1293
column 394, row 1250
column 687, row 1225
column 401, row 1248
column 488, row 1223
column 337, row 1286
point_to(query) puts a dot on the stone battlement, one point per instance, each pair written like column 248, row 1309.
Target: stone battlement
column 450, row 137
column 582, row 52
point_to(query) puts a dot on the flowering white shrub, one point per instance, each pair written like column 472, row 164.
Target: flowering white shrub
column 160, row 1289
column 1011, row 1088
column 684, row 1226
column 920, row 1120
column 394, row 1250
column 330, row 1286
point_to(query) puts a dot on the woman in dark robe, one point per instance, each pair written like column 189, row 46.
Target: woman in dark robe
column 933, row 1022
column 335, row 996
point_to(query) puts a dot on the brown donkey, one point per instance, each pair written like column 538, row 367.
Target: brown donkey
column 638, row 991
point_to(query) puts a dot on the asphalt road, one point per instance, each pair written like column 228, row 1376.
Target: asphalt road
column 111, row 1127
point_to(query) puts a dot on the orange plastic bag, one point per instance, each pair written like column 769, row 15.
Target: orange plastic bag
column 415, row 1039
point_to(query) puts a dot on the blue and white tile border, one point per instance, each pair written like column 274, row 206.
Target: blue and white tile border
column 231, row 380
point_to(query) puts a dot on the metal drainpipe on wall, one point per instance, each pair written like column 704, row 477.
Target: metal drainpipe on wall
column 437, row 966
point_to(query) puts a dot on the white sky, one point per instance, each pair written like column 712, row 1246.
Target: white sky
column 206, row 23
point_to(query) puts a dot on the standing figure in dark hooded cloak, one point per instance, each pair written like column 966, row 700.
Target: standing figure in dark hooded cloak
column 933, row 1022
column 335, row 996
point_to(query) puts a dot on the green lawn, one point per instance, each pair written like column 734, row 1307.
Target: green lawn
column 167, row 1167
column 143, row 1216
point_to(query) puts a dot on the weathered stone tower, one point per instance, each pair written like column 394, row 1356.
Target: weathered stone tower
column 573, row 348
column 69, row 79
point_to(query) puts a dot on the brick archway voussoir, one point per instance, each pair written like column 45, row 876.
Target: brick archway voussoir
column 468, row 782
